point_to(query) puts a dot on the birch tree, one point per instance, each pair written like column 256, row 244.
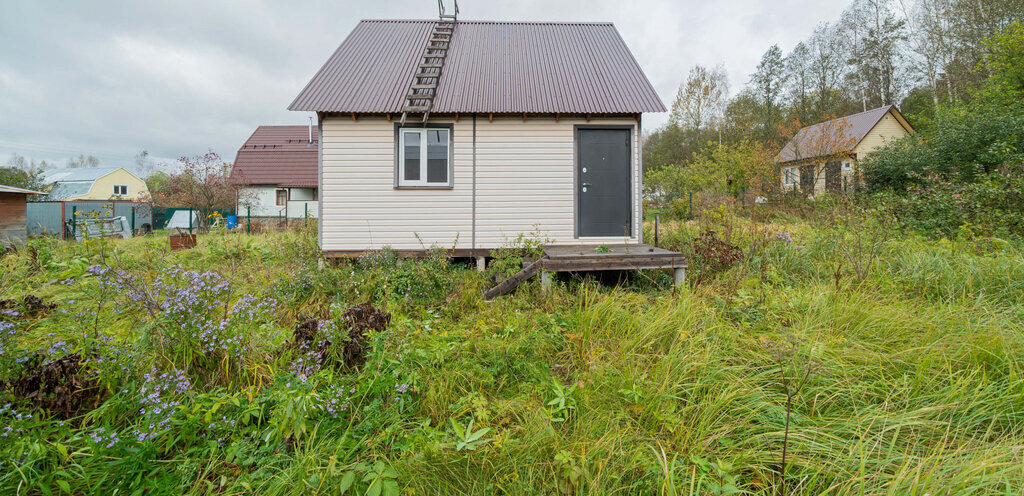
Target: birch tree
column 700, row 101
column 767, row 83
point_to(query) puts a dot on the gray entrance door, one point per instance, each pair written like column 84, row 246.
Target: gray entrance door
column 603, row 182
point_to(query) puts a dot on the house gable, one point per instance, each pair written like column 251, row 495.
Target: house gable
column 891, row 126
column 103, row 186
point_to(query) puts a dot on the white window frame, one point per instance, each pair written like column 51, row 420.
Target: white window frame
column 847, row 165
column 422, row 182
column 125, row 186
column 787, row 178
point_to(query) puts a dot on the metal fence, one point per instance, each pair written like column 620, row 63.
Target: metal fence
column 49, row 218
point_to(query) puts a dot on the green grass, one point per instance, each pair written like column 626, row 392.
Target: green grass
column 916, row 383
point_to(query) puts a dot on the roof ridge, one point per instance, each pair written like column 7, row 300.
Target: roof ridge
column 482, row 21
column 886, row 107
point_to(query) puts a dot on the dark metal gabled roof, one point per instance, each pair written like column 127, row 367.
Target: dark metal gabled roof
column 278, row 156
column 492, row 67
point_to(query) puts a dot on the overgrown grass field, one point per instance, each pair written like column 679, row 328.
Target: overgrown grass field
column 838, row 355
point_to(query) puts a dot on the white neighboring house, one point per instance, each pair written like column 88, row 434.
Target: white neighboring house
column 464, row 135
column 277, row 167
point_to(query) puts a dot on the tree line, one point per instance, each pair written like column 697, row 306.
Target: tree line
column 920, row 55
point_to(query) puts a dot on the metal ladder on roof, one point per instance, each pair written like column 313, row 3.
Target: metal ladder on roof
column 424, row 83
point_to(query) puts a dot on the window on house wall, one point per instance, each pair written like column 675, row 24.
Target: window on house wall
column 121, row 189
column 424, row 157
column 790, row 175
column 282, row 197
column 847, row 166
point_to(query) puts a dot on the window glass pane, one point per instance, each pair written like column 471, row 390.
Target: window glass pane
column 411, row 166
column 437, row 156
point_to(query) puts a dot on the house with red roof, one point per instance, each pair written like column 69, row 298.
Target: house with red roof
column 277, row 171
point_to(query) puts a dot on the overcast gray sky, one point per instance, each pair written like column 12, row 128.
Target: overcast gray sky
column 178, row 77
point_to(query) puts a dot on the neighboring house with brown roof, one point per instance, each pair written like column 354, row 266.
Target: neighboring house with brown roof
column 464, row 135
column 12, row 213
column 824, row 157
column 277, row 167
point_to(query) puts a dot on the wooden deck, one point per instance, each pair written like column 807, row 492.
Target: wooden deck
column 571, row 258
column 584, row 258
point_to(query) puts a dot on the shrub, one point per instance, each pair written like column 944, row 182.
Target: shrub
column 385, row 276
column 712, row 255
column 962, row 146
column 508, row 259
column 941, row 207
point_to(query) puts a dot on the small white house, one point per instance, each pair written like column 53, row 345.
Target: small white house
column 277, row 168
column 464, row 135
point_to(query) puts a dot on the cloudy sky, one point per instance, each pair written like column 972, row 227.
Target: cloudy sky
column 178, row 77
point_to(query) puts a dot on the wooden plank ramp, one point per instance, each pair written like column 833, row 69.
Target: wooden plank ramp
column 510, row 284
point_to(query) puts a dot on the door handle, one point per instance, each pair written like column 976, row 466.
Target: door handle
column 586, row 184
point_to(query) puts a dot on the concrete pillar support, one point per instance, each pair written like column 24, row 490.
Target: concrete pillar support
column 679, row 276
column 545, row 280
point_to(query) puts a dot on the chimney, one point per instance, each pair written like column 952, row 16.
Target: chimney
column 311, row 130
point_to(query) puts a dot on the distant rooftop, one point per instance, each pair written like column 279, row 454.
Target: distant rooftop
column 278, row 156
column 76, row 174
column 12, row 189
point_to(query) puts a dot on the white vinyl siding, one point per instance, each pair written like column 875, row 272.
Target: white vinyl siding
column 525, row 183
column 261, row 201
